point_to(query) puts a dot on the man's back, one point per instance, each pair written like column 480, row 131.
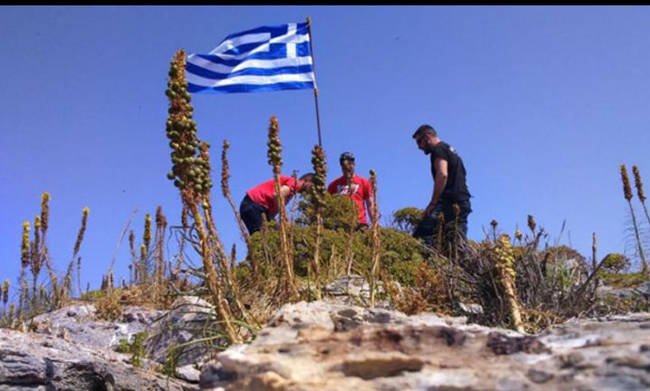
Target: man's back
column 456, row 187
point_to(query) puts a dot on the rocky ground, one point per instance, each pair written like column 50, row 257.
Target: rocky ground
column 326, row 345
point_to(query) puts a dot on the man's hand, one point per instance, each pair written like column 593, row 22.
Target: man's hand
column 429, row 208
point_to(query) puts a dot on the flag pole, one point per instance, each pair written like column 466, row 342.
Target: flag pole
column 313, row 64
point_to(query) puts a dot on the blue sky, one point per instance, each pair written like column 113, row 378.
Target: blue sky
column 542, row 103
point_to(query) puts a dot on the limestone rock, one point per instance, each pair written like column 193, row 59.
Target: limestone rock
column 30, row 361
column 326, row 346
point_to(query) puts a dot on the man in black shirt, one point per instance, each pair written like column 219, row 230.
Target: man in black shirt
column 449, row 186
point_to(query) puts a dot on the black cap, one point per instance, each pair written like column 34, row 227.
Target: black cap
column 346, row 156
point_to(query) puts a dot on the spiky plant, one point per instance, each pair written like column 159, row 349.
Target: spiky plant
column 376, row 241
column 639, row 190
column 79, row 275
column 82, row 230
column 221, row 256
column 233, row 257
column 110, row 281
column 627, row 194
column 318, row 191
column 35, row 254
column 67, row 280
column 274, row 154
column 494, row 225
column 146, row 237
column 159, row 253
column 531, row 224
column 504, row 260
column 143, row 256
column 25, row 289
column 5, row 293
column 24, row 262
column 146, row 243
column 593, row 251
column 294, row 203
column 225, row 190
column 45, row 223
column 135, row 264
column 191, row 175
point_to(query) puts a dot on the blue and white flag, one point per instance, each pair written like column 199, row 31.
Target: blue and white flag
column 266, row 58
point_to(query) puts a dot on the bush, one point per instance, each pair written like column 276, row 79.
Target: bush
column 406, row 219
column 400, row 253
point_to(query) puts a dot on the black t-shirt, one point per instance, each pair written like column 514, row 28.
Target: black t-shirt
column 456, row 188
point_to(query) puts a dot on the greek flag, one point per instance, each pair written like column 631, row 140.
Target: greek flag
column 266, row 58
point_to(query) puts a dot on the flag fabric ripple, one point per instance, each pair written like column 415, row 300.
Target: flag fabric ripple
column 266, row 58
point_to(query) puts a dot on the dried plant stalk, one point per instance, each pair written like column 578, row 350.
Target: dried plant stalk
column 191, row 175
column 639, row 190
column 318, row 198
column 275, row 160
column 24, row 262
column 376, row 240
column 45, row 223
column 627, row 193
column 67, row 279
column 505, row 265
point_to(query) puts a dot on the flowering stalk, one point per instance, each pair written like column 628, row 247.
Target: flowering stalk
column 191, row 175
column 376, row 241
column 159, row 254
column 318, row 198
column 45, row 218
column 639, row 190
column 5, row 295
column 35, row 255
column 67, row 280
column 24, row 262
column 275, row 160
column 352, row 223
column 225, row 190
column 144, row 258
column 504, row 264
column 627, row 193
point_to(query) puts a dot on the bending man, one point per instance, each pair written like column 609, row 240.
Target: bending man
column 260, row 200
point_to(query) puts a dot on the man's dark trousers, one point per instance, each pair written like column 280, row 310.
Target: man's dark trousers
column 429, row 224
column 252, row 213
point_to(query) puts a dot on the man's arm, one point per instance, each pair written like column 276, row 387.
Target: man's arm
column 285, row 191
column 440, row 166
column 369, row 205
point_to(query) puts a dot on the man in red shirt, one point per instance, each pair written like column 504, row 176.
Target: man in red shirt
column 360, row 193
column 261, row 199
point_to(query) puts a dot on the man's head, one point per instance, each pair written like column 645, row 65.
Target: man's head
column 306, row 181
column 426, row 138
column 347, row 163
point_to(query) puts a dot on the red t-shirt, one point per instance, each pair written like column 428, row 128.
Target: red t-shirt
column 360, row 192
column 264, row 194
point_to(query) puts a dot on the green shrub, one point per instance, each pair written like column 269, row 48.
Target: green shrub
column 400, row 252
column 406, row 219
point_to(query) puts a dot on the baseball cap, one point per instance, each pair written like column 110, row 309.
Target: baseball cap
column 346, row 156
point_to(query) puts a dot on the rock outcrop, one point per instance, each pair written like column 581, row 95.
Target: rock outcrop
column 30, row 361
column 328, row 346
column 320, row 346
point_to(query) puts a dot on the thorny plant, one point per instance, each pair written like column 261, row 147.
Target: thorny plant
column 627, row 194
